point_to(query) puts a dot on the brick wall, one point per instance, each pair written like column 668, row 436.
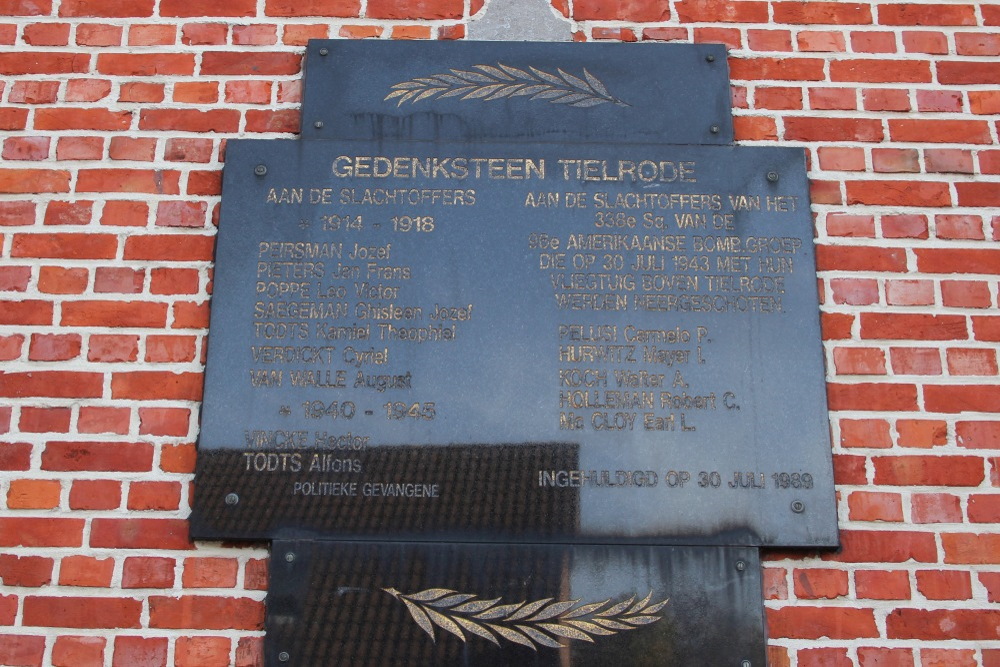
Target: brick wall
column 114, row 116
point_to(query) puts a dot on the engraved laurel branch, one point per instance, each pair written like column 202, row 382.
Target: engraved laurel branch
column 524, row 622
column 493, row 83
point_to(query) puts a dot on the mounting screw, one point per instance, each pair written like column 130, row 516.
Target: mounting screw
column 714, row 129
column 289, row 557
column 323, row 52
column 740, row 566
column 710, row 58
column 772, row 176
column 260, row 170
column 284, row 657
column 798, row 506
column 745, row 663
column 232, row 499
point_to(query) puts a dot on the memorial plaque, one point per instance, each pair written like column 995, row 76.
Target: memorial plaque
column 481, row 91
column 514, row 343
column 463, row 604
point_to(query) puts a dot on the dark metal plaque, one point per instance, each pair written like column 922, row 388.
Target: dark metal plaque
column 381, row 604
column 453, row 342
column 483, row 91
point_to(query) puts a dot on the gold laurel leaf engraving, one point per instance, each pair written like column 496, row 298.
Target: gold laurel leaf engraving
column 493, row 82
column 538, row 623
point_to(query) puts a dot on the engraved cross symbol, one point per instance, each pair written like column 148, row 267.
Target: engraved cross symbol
column 284, row 410
column 303, row 224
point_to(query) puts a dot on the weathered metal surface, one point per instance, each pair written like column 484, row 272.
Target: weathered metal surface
column 524, row 91
column 507, row 342
column 462, row 604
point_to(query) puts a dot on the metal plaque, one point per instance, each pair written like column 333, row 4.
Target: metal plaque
column 482, row 91
column 354, row 603
column 503, row 342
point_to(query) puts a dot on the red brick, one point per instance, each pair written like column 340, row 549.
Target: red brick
column 14, row 278
column 885, row 99
column 947, row 260
column 250, row 650
column 14, row 213
column 86, row 571
column 139, row 91
column 781, row 69
column 66, row 118
column 53, row 384
column 205, row 613
column 896, row 160
column 33, row 494
column 46, row 34
column 44, row 63
column 21, row 649
column 210, row 573
column 870, row 70
column 106, row 8
column 823, row 657
column 844, row 224
column 98, row 34
column 196, row 92
column 178, row 458
column 909, row 292
column 963, row 72
column 164, row 421
column 29, row 311
column 801, row 622
column 87, row 90
column 15, row 456
column 284, row 120
column 915, row 361
column 872, row 397
column 779, row 98
column 27, row 571
column 40, row 532
column 103, row 456
column 740, row 11
column 969, row 548
column 148, row 572
column 114, row 314
column 174, row 247
column 240, row 63
column 140, row 534
column 957, row 399
column 948, row 161
column 182, row 149
column 898, row 193
column 939, row 100
column 984, row 101
column 966, row 294
column 86, row 494
column 134, row 651
column 361, row 31
column 120, row 213
column 959, row 227
column 859, row 361
column 928, row 470
column 70, row 651
column 81, row 612
column 256, row 575
column 112, row 348
column 129, row 180
column 23, row 181
column 821, row 41
column 299, row 35
column 978, row 434
column 79, row 148
column 131, row 148
column 146, row 385
column 65, row 246
column 905, row 226
column 926, row 14
column 190, row 315
column 833, row 129
column 875, row 506
column 946, row 131
column 25, row 7
column 248, row 92
column 69, row 213
column 925, row 42
column 775, row 583
column 979, row 194
column 152, row 35
column 750, row 128
column 898, row 326
column 118, row 280
column 26, row 148
column 986, row 328
column 57, row 280
column 869, row 433
column 44, row 420
column 28, row 92
column 882, row 585
column 935, row 508
column 869, row 656
column 189, row 8
column 204, row 33
column 257, row 34
column 832, row 13
column 942, row 624
column 339, row 8
column 204, row 183
column 885, row 546
column 948, row 657
column 190, row 120
column 202, row 652
column 922, row 433
column 860, row 258
column 146, row 496
column 944, row 584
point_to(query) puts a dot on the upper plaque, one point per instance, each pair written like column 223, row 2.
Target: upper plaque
column 482, row 91
column 514, row 342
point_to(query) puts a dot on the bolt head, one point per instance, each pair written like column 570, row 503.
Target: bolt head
column 714, row 129
column 710, row 58
column 324, row 52
column 290, row 556
column 318, row 124
column 772, row 176
column 798, row 506
column 740, row 566
column 284, row 657
column 232, row 499
column 260, row 169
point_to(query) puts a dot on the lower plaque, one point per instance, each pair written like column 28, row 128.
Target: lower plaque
column 362, row 603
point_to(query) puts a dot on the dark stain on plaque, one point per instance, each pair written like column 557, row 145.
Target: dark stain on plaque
column 461, row 604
